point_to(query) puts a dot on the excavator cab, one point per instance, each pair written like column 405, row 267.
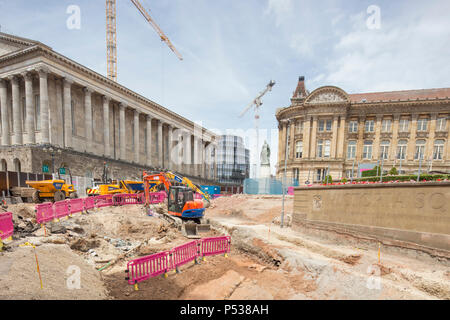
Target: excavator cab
column 181, row 203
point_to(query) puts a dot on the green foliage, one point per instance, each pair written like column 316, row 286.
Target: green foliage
column 393, row 171
column 371, row 173
column 344, row 180
column 328, row 179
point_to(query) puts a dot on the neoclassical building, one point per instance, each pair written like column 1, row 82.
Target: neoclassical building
column 329, row 130
column 50, row 102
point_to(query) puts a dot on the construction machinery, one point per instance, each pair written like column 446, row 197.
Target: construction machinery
column 111, row 35
column 121, row 186
column 55, row 189
column 183, row 210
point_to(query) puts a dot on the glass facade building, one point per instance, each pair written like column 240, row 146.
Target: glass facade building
column 233, row 160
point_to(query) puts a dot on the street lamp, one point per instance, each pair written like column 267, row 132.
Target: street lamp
column 52, row 152
column 288, row 122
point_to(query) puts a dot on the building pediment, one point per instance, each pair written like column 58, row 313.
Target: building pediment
column 10, row 43
column 327, row 95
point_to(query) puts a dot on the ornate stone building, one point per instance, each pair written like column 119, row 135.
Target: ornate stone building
column 331, row 130
column 48, row 100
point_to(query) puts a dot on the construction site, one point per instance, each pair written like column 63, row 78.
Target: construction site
column 264, row 261
column 108, row 195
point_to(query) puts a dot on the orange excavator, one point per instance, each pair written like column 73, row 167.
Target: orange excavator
column 182, row 209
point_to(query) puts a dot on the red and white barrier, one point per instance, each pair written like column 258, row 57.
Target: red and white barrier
column 44, row 212
column 6, row 225
column 216, row 245
column 61, row 209
column 147, row 267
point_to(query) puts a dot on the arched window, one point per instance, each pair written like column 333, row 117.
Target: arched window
column 401, row 149
column 384, row 149
column 17, row 166
column 4, row 165
column 420, row 149
column 438, row 149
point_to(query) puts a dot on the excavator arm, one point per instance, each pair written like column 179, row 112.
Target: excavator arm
column 189, row 183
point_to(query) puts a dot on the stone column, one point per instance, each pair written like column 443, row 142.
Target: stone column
column 16, row 110
column 313, row 138
column 88, row 118
column 360, row 142
column 376, row 152
column 188, row 153
column 306, row 136
column 122, row 131
column 58, row 117
column 196, row 156
column 4, row 113
column 149, row 140
column 393, row 147
column 169, row 146
column 341, row 139
column 334, row 137
column 43, row 93
column 68, row 113
column 292, row 141
column 280, row 143
column 136, row 136
column 106, row 139
column 412, row 138
column 29, row 138
column 430, row 141
column 160, row 144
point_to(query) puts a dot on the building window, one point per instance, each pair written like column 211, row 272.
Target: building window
column 37, row 112
column 329, row 125
column 321, row 125
column 323, row 148
column 401, row 149
column 370, row 124
column 353, row 126
column 386, row 125
column 438, row 149
column 299, row 149
column 403, row 125
column 320, row 174
column 351, row 150
column 420, row 149
column 422, row 124
column 384, row 150
column 296, row 173
column 367, row 150
column 441, row 124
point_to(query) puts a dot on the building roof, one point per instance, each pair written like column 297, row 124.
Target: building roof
column 404, row 95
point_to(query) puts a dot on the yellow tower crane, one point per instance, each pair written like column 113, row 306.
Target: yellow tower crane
column 111, row 35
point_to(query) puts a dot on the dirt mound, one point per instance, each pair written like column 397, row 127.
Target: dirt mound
column 58, row 265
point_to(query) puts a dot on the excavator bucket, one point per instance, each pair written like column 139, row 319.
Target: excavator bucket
column 191, row 230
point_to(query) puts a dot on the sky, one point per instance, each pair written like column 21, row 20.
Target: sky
column 232, row 48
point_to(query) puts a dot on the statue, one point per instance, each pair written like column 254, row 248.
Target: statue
column 265, row 154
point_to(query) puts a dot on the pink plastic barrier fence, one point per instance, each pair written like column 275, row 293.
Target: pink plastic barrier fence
column 147, row 267
column 123, row 199
column 89, row 203
column 61, row 209
column 104, row 201
column 157, row 197
column 216, row 245
column 44, row 212
column 184, row 253
column 6, row 225
column 76, row 205
column 291, row 191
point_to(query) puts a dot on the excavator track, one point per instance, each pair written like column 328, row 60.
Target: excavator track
column 189, row 228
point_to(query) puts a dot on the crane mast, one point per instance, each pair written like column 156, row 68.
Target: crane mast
column 111, row 39
column 111, row 36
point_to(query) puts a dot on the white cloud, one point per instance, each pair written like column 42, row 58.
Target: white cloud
column 280, row 8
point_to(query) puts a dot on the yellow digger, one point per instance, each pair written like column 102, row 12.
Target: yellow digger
column 56, row 190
